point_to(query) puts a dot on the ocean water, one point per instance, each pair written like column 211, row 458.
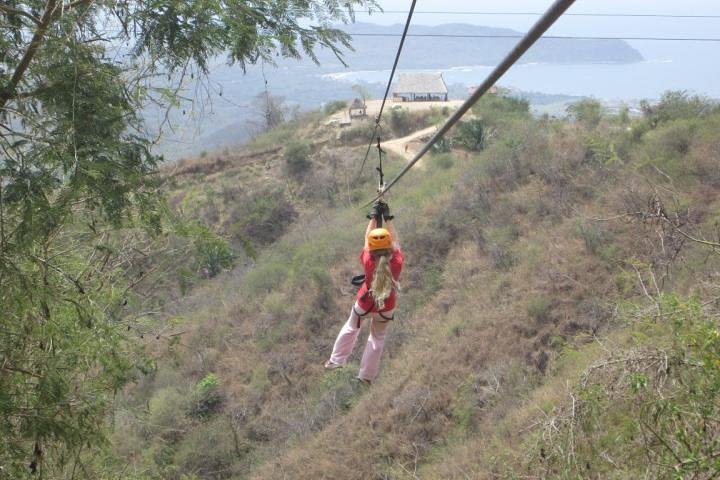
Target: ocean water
column 690, row 66
column 228, row 119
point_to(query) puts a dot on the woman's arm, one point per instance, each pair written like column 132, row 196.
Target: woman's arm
column 393, row 233
column 371, row 224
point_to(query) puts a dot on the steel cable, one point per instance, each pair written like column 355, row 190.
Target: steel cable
column 387, row 89
column 540, row 27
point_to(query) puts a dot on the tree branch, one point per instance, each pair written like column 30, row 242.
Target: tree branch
column 47, row 17
column 22, row 13
column 76, row 3
column 53, row 8
column 690, row 237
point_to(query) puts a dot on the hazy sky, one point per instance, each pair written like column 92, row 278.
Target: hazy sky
column 567, row 25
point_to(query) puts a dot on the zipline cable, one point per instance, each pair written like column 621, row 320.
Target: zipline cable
column 387, row 89
column 545, row 22
column 547, row 37
column 537, row 14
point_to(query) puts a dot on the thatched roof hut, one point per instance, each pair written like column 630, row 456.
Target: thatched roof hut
column 420, row 87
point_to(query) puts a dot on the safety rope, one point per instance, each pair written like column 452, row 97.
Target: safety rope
column 387, row 88
column 553, row 13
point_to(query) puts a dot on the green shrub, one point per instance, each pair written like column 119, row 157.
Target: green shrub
column 260, row 217
column 623, row 115
column 674, row 105
column 209, row 450
column 592, row 236
column 676, row 137
column 600, row 150
column 184, row 277
column 470, row 134
column 501, row 105
column 356, row 135
column 704, row 156
column 667, row 146
column 296, row 158
column 267, row 276
column 322, row 299
column 436, row 116
column 443, row 145
column 464, row 408
column 443, row 161
column 165, row 417
column 587, row 112
column 335, row 106
column 206, row 398
column 539, row 308
column 339, row 391
column 400, row 121
column 499, row 246
column 212, row 253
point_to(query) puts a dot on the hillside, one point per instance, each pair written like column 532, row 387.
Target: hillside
column 558, row 312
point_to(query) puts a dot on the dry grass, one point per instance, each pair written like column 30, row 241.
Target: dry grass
column 481, row 350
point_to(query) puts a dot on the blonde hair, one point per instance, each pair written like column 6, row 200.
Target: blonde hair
column 383, row 281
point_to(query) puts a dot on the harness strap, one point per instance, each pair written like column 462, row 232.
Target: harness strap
column 365, row 296
column 387, row 319
column 359, row 315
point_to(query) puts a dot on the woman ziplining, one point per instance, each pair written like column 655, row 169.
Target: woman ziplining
column 382, row 261
column 381, row 257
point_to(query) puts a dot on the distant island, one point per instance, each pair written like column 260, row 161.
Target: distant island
column 443, row 52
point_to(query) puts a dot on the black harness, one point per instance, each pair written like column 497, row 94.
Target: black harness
column 358, row 280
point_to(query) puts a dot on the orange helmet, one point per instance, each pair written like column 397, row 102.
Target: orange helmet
column 379, row 239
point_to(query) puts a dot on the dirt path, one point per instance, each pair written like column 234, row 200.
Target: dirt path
column 409, row 145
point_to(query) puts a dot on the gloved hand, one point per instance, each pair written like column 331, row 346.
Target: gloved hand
column 375, row 211
column 385, row 211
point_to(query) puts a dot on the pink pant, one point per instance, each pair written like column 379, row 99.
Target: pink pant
column 347, row 338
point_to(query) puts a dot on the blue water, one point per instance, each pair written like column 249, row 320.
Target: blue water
column 689, row 66
column 227, row 120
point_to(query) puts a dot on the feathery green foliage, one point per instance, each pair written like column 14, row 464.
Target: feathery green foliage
column 80, row 213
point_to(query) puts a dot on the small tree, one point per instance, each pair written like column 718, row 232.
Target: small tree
column 677, row 104
column 362, row 91
column 271, row 111
column 624, row 115
column 76, row 166
column 296, row 158
column 206, row 397
column 471, row 135
column 588, row 112
column 443, row 145
column 400, row 121
column 335, row 106
column 212, row 253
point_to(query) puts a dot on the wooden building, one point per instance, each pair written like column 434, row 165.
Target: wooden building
column 420, row 87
